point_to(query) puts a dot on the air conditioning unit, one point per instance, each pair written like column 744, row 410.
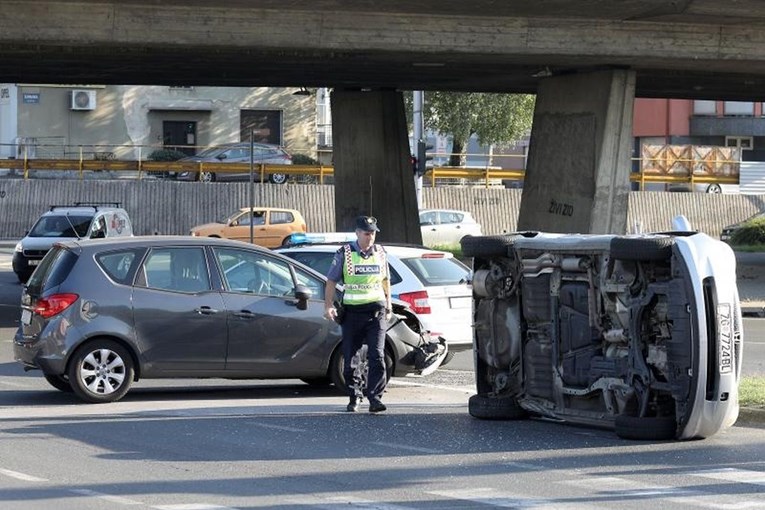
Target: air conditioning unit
column 83, row 100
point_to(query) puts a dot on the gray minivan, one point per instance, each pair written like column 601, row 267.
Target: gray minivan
column 82, row 220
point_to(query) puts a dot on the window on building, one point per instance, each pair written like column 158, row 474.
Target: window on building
column 739, row 108
column 742, row 142
column 704, row 107
column 265, row 126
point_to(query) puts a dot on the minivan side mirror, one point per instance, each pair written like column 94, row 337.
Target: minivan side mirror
column 302, row 294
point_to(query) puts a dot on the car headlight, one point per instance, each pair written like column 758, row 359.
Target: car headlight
column 19, row 248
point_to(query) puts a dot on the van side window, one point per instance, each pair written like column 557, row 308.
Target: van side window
column 99, row 228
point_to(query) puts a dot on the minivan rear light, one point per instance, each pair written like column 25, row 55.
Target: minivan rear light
column 418, row 300
column 54, row 305
column 432, row 255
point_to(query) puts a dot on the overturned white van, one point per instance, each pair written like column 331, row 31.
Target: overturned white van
column 639, row 333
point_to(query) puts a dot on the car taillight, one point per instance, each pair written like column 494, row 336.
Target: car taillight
column 417, row 300
column 432, row 255
column 54, row 305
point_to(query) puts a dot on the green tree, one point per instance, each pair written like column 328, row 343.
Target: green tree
column 496, row 119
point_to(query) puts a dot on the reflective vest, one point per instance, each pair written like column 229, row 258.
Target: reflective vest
column 363, row 277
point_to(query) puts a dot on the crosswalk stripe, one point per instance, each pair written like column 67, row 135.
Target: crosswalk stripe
column 493, row 497
column 733, row 475
column 335, row 502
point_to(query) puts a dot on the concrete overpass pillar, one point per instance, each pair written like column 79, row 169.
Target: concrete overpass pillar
column 577, row 176
column 373, row 174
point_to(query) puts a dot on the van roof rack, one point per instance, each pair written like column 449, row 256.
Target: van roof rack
column 94, row 205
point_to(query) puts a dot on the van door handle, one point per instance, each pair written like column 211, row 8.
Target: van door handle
column 244, row 314
column 206, row 310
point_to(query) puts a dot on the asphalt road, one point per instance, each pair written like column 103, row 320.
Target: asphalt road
column 203, row 445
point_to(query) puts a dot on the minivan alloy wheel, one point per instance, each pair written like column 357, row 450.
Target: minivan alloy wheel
column 101, row 371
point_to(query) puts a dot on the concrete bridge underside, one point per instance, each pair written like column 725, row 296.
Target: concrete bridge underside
column 703, row 49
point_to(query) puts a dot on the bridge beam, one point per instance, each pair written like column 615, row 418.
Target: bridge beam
column 373, row 173
column 577, row 177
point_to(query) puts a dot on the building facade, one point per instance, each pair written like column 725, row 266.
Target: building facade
column 692, row 122
column 130, row 122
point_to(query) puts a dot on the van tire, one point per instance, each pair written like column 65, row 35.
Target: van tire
column 486, row 246
column 632, row 248
column 484, row 407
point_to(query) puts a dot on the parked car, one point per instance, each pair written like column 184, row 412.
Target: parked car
column 98, row 315
column 271, row 226
column 81, row 220
column 237, row 153
column 727, row 232
column 640, row 333
column 713, row 187
column 446, row 227
column 434, row 283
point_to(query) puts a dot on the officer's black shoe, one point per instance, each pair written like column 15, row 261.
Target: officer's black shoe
column 375, row 406
column 352, row 406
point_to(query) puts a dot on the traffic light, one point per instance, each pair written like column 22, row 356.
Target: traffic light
column 422, row 158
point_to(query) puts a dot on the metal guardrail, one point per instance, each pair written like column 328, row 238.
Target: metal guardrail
column 484, row 174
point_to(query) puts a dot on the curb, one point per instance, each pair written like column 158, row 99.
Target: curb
column 751, row 416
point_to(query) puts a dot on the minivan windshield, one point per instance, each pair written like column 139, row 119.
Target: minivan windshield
column 61, row 225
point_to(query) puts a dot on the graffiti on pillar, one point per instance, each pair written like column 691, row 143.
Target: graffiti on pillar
column 561, row 208
column 2, row 193
column 486, row 201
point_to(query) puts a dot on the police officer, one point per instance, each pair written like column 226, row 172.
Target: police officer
column 363, row 269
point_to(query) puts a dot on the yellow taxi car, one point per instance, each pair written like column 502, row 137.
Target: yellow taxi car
column 271, row 226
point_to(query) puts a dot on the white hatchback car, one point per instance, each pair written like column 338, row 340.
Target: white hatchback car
column 446, row 227
column 640, row 333
column 434, row 283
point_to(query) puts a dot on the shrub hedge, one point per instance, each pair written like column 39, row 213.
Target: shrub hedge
column 751, row 232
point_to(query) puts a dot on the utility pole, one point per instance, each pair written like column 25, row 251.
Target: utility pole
column 252, row 186
column 418, row 133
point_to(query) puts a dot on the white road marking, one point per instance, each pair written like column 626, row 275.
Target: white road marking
column 493, row 497
column 15, row 384
column 193, row 506
column 333, row 503
column 106, row 497
column 21, row 476
column 277, row 427
column 526, row 466
column 407, row 448
column 615, row 487
column 734, row 475
column 460, row 389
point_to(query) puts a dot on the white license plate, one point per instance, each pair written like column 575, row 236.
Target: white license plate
column 33, row 262
column 725, row 330
column 26, row 317
column 460, row 302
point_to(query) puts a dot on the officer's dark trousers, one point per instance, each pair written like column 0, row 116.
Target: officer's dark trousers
column 360, row 328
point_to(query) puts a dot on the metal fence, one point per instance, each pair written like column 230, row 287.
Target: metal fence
column 169, row 207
